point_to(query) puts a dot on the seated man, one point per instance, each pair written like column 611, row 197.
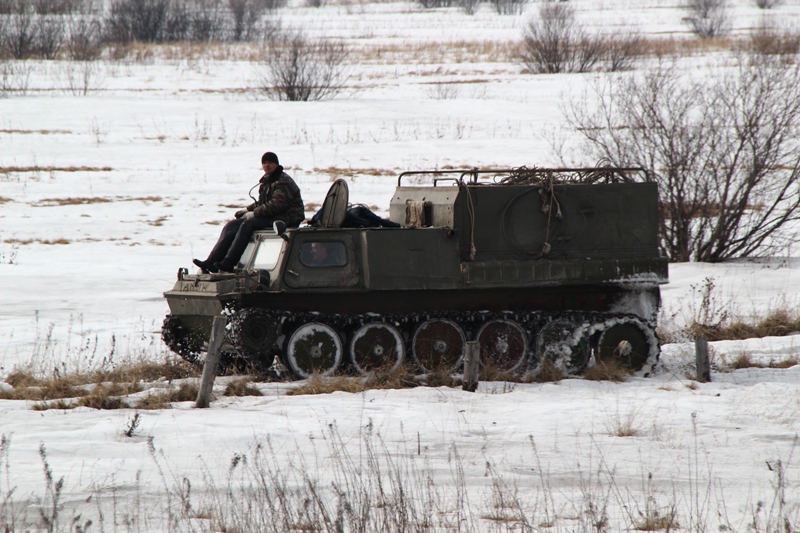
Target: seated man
column 278, row 199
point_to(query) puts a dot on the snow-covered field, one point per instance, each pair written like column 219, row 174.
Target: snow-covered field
column 104, row 196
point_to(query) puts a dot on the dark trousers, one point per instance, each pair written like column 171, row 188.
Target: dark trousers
column 234, row 238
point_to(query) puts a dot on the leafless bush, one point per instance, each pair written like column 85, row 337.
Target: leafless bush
column 57, row 7
column 708, row 18
column 315, row 3
column 137, row 20
column 470, row 7
column 85, row 41
column 767, row 4
column 769, row 40
column 208, row 21
column 14, row 77
column 724, row 150
column 297, row 68
column 554, row 42
column 246, row 15
column 432, row 4
column 50, row 36
column 509, row 7
column 622, row 50
column 20, row 35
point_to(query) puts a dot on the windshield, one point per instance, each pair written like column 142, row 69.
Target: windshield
column 268, row 253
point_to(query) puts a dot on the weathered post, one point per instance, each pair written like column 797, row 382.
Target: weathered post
column 212, row 360
column 472, row 359
column 701, row 356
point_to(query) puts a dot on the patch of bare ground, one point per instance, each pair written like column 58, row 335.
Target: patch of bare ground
column 100, row 389
column 51, row 202
column 341, row 172
column 4, row 200
column 37, row 168
column 32, row 132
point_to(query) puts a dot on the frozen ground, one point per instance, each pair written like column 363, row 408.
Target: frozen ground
column 172, row 146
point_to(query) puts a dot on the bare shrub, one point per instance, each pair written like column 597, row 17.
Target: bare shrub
column 443, row 91
column 208, row 21
column 725, row 150
column 622, row 50
column 432, row 4
column 50, row 36
column 509, row 7
column 85, row 41
column 767, row 39
column 137, row 20
column 20, row 34
column 296, row 68
column 708, row 18
column 14, row 77
column 57, row 7
column 767, row 4
column 470, row 7
column 547, row 40
column 554, row 42
column 246, row 16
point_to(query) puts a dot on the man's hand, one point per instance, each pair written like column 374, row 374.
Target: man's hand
column 241, row 212
column 248, row 215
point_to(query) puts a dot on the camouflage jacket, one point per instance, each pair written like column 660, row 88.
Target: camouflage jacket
column 279, row 198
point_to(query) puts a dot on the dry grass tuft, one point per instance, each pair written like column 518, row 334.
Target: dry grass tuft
column 103, row 397
column 186, row 392
column 58, row 404
column 50, row 202
column 4, row 200
column 744, row 361
column 786, row 363
column 441, row 377
column 317, row 384
column 778, row 323
column 153, row 402
column 546, row 372
column 489, row 372
column 608, row 371
column 241, row 387
column 655, row 522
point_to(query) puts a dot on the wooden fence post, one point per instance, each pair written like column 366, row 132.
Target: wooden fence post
column 701, row 357
column 472, row 359
column 212, row 361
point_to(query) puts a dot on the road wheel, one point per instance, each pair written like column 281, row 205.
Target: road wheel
column 438, row 343
column 504, row 345
column 377, row 346
column 313, row 348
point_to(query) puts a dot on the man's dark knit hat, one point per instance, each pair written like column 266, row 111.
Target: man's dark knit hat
column 269, row 157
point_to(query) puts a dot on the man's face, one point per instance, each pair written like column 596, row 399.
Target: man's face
column 318, row 251
column 269, row 167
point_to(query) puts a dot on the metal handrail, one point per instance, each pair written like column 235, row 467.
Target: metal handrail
column 474, row 173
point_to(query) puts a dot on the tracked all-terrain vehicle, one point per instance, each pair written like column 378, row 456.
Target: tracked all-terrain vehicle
column 533, row 264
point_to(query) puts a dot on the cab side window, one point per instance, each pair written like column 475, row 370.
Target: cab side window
column 320, row 254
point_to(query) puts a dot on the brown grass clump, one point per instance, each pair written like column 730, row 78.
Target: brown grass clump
column 441, row 377
column 402, row 378
column 610, row 370
column 489, row 372
column 786, row 363
column 547, row 372
column 655, row 522
column 186, row 392
column 103, row 397
column 41, row 389
column 153, row 402
column 317, row 384
column 241, row 387
column 744, row 361
column 58, row 404
column 4, row 200
column 171, row 369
